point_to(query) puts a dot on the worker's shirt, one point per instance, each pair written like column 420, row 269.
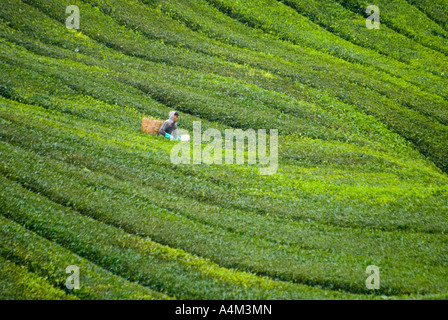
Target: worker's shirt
column 168, row 127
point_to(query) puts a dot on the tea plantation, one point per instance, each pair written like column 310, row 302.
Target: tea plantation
column 362, row 178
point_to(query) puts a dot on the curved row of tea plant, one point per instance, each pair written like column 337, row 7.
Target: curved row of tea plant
column 81, row 185
column 18, row 283
column 416, row 130
column 181, row 231
column 49, row 261
column 435, row 9
column 31, row 82
column 403, row 17
column 348, row 20
column 274, row 16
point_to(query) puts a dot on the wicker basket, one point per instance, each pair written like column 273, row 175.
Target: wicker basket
column 151, row 126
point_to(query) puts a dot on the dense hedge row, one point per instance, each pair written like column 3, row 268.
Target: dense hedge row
column 80, row 184
column 139, row 259
column 272, row 16
column 31, row 83
column 435, row 9
column 130, row 219
column 413, row 126
column 49, row 261
column 17, row 283
column 315, row 121
column 405, row 30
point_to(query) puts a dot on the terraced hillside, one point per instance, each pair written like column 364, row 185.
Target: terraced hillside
column 362, row 116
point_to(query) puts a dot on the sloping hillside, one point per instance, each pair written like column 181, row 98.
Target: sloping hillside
column 362, row 117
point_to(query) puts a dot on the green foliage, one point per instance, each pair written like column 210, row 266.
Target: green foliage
column 434, row 9
column 17, row 283
column 362, row 177
column 398, row 18
column 49, row 260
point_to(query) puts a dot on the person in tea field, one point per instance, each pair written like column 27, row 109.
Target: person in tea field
column 169, row 127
